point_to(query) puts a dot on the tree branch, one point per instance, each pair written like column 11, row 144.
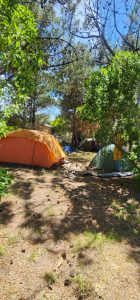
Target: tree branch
column 60, row 64
column 118, row 31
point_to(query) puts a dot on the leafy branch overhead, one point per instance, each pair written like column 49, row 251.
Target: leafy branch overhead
column 20, row 51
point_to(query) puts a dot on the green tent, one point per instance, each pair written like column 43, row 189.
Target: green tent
column 104, row 160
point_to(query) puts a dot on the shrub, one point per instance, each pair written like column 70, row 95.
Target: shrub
column 5, row 181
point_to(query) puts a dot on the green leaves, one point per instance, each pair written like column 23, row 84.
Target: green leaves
column 112, row 99
column 5, row 181
column 3, row 128
column 20, row 57
column 20, row 51
column 40, row 61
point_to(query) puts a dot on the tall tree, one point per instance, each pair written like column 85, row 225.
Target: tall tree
column 19, row 51
column 51, row 47
column 133, row 33
column 71, row 88
column 104, row 24
column 29, row 112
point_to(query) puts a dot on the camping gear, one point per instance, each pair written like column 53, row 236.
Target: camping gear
column 68, row 149
column 89, row 145
column 104, row 175
column 116, row 174
column 30, row 147
column 103, row 160
column 117, row 152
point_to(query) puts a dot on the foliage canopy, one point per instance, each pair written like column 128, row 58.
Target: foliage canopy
column 112, row 99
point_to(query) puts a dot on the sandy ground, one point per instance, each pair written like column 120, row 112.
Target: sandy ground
column 80, row 229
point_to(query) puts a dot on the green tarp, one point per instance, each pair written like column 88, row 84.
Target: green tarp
column 104, row 160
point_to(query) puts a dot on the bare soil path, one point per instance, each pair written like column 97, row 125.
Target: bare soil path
column 68, row 236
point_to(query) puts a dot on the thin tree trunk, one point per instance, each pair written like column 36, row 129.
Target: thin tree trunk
column 24, row 117
column 75, row 133
column 34, row 113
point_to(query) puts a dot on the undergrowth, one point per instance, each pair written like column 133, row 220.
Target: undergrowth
column 136, row 183
column 12, row 239
column 128, row 213
column 90, row 240
column 33, row 256
column 5, row 181
column 2, row 250
column 50, row 211
column 83, row 284
column 50, row 277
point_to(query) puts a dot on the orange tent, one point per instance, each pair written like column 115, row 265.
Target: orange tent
column 30, row 147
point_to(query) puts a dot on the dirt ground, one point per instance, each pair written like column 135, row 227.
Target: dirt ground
column 67, row 236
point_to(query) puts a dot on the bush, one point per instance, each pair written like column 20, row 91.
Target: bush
column 5, row 181
column 136, row 183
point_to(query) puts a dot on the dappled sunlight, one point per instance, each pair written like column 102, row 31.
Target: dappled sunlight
column 88, row 219
column 100, row 206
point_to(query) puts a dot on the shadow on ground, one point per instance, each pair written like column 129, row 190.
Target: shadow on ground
column 109, row 206
column 101, row 205
column 6, row 213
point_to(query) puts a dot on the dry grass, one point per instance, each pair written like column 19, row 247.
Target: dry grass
column 90, row 240
column 50, row 277
column 12, row 239
column 83, row 284
column 2, row 250
column 33, row 255
column 50, row 211
column 81, row 155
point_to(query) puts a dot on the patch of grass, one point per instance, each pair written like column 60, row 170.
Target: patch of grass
column 5, row 181
column 83, row 284
column 33, row 256
column 81, row 156
column 114, row 203
column 50, row 211
column 12, row 239
column 112, row 236
column 129, row 213
column 50, row 277
column 90, row 240
column 2, row 250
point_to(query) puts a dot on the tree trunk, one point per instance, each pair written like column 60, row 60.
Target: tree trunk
column 34, row 113
column 75, row 141
column 24, row 117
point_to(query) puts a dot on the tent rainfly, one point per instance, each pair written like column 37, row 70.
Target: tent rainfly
column 30, row 147
column 103, row 160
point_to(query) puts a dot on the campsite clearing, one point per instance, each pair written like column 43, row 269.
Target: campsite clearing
column 68, row 236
